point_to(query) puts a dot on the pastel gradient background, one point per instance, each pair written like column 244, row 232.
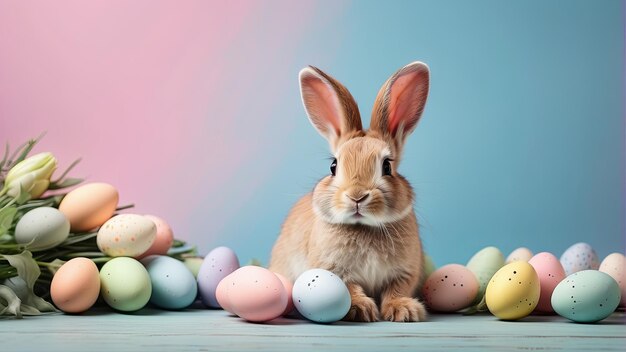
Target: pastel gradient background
column 192, row 109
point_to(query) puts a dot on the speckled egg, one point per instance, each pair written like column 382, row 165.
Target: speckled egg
column 256, row 294
column 513, row 291
column 75, row 286
column 579, row 256
column 586, row 296
column 289, row 290
column 550, row 273
column 450, row 288
column 163, row 239
column 125, row 284
column 615, row 265
column 484, row 264
column 42, row 228
column 222, row 292
column 321, row 296
column 219, row 263
column 126, row 235
column 173, row 285
column 520, row 254
column 89, row 205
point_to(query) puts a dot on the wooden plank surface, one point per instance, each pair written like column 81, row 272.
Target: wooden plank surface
column 214, row 330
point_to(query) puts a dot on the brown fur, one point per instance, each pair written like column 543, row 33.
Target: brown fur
column 379, row 255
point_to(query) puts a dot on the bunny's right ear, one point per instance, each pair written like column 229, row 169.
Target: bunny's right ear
column 330, row 106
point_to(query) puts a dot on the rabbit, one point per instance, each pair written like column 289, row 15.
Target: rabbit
column 358, row 222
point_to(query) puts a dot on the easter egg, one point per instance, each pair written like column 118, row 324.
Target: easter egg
column 76, row 285
column 126, row 235
column 513, row 291
column 42, row 228
column 193, row 264
column 289, row 290
column 163, row 239
column 173, row 285
column 220, row 262
column 450, row 288
column 550, row 273
column 520, row 254
column 256, row 294
column 89, row 205
column 484, row 264
column 222, row 292
column 125, row 284
column 579, row 256
column 615, row 265
column 321, row 296
column 586, row 296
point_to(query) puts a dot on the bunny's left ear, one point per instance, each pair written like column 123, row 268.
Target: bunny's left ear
column 400, row 103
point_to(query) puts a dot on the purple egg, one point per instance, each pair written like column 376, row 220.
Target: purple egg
column 218, row 264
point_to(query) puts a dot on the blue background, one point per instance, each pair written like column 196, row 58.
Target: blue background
column 522, row 139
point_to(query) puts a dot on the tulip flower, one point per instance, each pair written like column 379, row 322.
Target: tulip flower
column 31, row 175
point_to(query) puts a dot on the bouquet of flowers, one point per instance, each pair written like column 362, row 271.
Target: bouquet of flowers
column 27, row 265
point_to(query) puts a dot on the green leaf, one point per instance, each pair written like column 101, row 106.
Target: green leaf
column 23, row 197
column 25, row 150
column 10, row 304
column 6, row 219
column 65, row 183
column 4, row 159
column 69, row 168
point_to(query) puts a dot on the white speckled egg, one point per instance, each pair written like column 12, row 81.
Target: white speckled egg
column 520, row 254
column 125, row 284
column 586, row 296
column 42, row 228
column 126, row 235
column 173, row 285
column 513, row 291
column 321, row 296
column 484, row 264
column 615, row 265
column 218, row 264
column 450, row 288
column 579, row 256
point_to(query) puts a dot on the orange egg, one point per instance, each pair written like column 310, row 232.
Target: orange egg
column 89, row 206
column 75, row 286
column 163, row 240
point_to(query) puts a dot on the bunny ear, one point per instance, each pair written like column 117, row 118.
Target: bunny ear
column 329, row 105
column 400, row 102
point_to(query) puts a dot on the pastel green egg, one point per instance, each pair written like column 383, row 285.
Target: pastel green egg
column 484, row 265
column 125, row 284
column 429, row 266
column 586, row 296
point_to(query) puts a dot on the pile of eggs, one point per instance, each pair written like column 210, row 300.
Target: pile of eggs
column 576, row 286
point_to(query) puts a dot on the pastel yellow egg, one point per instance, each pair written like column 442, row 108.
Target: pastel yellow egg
column 89, row 206
column 513, row 291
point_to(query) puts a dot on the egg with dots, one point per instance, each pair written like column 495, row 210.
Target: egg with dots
column 163, row 239
column 222, row 292
column 218, row 264
column 450, row 288
column 586, row 296
column 128, row 235
column 513, row 291
column 615, row 265
column 519, row 254
column 550, row 272
column 89, row 206
column 256, row 294
column 484, row 264
column 75, row 286
column 125, row 284
column 579, row 256
column 321, row 296
column 173, row 285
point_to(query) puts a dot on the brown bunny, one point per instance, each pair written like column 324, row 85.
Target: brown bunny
column 359, row 221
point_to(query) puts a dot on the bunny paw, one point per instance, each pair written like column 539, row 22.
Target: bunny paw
column 403, row 309
column 363, row 309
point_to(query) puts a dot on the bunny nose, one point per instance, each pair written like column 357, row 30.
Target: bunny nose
column 359, row 198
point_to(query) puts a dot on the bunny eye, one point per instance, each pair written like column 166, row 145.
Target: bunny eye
column 387, row 167
column 333, row 167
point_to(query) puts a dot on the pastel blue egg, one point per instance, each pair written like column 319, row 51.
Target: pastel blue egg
column 579, row 256
column 173, row 284
column 586, row 296
column 321, row 296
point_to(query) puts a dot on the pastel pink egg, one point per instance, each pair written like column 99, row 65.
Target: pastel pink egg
column 256, row 294
column 163, row 240
column 550, row 273
column 222, row 293
column 288, row 288
column 450, row 288
column 615, row 265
